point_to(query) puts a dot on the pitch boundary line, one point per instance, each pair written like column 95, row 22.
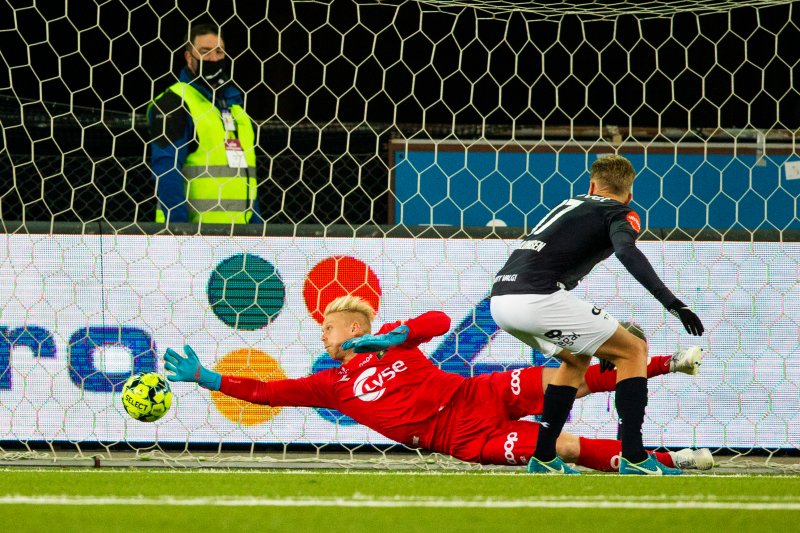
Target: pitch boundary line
column 221, row 470
column 359, row 472
column 396, row 503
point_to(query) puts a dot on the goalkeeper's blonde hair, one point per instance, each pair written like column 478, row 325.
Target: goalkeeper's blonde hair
column 352, row 304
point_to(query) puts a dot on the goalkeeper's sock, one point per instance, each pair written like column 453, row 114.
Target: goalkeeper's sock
column 664, row 458
column 631, row 401
column 558, row 400
column 603, row 455
column 597, row 381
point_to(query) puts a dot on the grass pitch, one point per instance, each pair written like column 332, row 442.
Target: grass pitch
column 106, row 500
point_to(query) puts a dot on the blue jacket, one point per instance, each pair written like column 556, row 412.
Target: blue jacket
column 172, row 139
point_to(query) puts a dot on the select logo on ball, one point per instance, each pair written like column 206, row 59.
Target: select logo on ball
column 146, row 396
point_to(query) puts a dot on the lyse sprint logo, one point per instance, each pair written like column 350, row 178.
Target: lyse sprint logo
column 508, row 447
column 371, row 384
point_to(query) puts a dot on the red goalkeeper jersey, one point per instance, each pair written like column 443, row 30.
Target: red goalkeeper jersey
column 397, row 392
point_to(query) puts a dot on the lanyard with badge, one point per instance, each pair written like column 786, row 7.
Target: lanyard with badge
column 233, row 146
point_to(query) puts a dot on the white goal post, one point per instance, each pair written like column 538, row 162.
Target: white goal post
column 403, row 148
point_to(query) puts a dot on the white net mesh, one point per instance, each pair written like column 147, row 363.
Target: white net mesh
column 410, row 121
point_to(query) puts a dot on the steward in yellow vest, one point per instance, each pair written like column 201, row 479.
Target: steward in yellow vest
column 203, row 149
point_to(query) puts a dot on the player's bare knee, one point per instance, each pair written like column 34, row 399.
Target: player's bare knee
column 625, row 347
column 639, row 348
column 568, row 447
column 574, row 360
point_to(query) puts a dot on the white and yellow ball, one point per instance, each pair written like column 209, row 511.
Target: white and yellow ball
column 146, row 396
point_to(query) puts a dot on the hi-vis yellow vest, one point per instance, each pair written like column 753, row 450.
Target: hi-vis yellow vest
column 215, row 192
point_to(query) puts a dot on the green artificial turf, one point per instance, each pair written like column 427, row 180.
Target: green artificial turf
column 145, row 500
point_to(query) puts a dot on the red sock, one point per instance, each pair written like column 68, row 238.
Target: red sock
column 664, row 458
column 600, row 454
column 604, row 454
column 607, row 381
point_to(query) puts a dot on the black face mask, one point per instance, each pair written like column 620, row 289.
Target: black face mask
column 215, row 73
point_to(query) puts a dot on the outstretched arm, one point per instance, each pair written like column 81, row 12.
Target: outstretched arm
column 189, row 369
column 640, row 268
column 412, row 332
column 310, row 391
column 170, row 136
column 422, row 328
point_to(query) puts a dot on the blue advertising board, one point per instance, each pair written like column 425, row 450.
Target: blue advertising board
column 698, row 186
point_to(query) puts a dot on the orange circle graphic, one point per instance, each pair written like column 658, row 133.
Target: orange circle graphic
column 247, row 363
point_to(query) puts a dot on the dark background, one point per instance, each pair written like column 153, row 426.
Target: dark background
column 330, row 83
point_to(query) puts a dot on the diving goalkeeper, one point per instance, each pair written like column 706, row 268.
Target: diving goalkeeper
column 387, row 383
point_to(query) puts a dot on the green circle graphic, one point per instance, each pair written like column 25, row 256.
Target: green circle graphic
column 246, row 292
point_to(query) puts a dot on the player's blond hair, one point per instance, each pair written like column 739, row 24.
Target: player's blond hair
column 352, row 304
column 614, row 172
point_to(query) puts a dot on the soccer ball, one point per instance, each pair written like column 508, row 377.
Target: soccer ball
column 146, row 396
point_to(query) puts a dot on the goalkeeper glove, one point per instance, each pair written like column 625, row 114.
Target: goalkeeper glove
column 376, row 343
column 690, row 320
column 189, row 369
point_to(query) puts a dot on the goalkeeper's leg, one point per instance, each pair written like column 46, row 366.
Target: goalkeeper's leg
column 683, row 361
column 513, row 442
column 604, row 454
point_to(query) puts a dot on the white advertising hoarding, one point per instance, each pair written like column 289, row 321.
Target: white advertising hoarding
column 78, row 312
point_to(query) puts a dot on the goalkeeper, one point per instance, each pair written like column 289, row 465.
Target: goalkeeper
column 386, row 383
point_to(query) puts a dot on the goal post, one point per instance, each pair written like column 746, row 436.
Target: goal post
column 402, row 150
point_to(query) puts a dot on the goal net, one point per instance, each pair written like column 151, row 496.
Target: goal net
column 403, row 149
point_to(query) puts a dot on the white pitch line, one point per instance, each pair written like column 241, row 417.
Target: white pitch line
column 201, row 471
column 396, row 503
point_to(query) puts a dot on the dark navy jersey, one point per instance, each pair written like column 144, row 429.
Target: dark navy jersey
column 569, row 241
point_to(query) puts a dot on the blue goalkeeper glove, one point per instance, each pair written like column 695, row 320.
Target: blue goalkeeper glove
column 376, row 343
column 189, row 369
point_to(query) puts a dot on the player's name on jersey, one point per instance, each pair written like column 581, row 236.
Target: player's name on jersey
column 534, row 245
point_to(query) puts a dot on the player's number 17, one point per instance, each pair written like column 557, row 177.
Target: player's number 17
column 560, row 210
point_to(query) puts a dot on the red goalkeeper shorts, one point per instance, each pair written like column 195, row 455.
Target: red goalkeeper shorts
column 481, row 424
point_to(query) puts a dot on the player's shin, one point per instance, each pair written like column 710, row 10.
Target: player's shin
column 558, row 400
column 631, row 401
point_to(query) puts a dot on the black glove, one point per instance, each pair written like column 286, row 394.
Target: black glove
column 690, row 320
column 606, row 365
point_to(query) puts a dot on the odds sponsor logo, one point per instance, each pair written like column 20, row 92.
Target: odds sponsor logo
column 562, row 339
column 516, row 387
column 508, row 447
column 370, row 385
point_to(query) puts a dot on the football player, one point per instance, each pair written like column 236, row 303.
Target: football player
column 531, row 301
column 388, row 384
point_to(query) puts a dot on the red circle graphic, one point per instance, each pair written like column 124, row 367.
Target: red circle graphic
column 337, row 276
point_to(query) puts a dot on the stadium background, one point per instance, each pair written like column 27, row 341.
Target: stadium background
column 333, row 86
column 78, row 77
